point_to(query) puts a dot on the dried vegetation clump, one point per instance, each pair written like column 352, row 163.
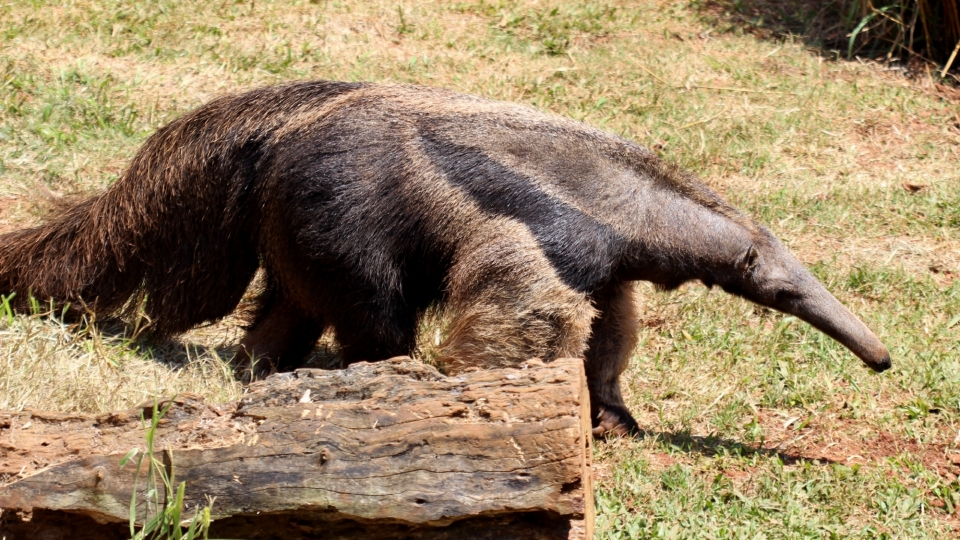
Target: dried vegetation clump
column 922, row 34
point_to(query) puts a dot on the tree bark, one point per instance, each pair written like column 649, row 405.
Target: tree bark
column 391, row 449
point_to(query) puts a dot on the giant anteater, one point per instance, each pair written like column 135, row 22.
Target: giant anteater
column 365, row 204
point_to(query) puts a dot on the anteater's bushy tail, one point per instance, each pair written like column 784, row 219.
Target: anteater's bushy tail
column 168, row 232
column 178, row 229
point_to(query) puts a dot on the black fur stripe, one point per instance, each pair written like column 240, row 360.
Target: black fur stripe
column 583, row 251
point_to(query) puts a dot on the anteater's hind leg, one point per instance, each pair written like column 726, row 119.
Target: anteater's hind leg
column 279, row 339
column 377, row 328
column 509, row 305
column 612, row 341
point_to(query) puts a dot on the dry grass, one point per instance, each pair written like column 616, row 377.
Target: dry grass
column 759, row 426
column 50, row 366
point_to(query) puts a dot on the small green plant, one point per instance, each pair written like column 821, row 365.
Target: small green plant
column 404, row 27
column 167, row 509
column 6, row 310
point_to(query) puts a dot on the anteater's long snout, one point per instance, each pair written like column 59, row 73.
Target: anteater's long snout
column 822, row 310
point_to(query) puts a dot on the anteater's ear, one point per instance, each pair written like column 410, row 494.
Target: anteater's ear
column 749, row 259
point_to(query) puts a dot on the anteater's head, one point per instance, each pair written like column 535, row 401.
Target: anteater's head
column 765, row 272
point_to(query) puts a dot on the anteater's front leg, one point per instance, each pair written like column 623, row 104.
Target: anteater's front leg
column 612, row 341
column 509, row 305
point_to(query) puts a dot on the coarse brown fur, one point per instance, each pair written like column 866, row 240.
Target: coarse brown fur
column 367, row 204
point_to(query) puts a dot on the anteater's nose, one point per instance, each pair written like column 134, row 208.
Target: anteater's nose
column 880, row 365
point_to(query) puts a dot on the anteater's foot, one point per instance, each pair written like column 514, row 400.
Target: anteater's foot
column 279, row 340
column 614, row 420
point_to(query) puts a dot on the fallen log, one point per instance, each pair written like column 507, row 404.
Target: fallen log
column 392, row 449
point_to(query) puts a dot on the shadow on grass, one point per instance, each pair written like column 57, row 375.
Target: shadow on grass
column 171, row 352
column 216, row 343
column 823, row 26
column 819, row 24
column 182, row 350
column 711, row 446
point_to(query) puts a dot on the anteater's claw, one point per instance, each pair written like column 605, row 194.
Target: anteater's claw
column 614, row 421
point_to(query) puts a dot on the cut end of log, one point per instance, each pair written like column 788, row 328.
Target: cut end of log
column 391, row 447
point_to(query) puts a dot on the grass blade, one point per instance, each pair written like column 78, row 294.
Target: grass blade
column 856, row 31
